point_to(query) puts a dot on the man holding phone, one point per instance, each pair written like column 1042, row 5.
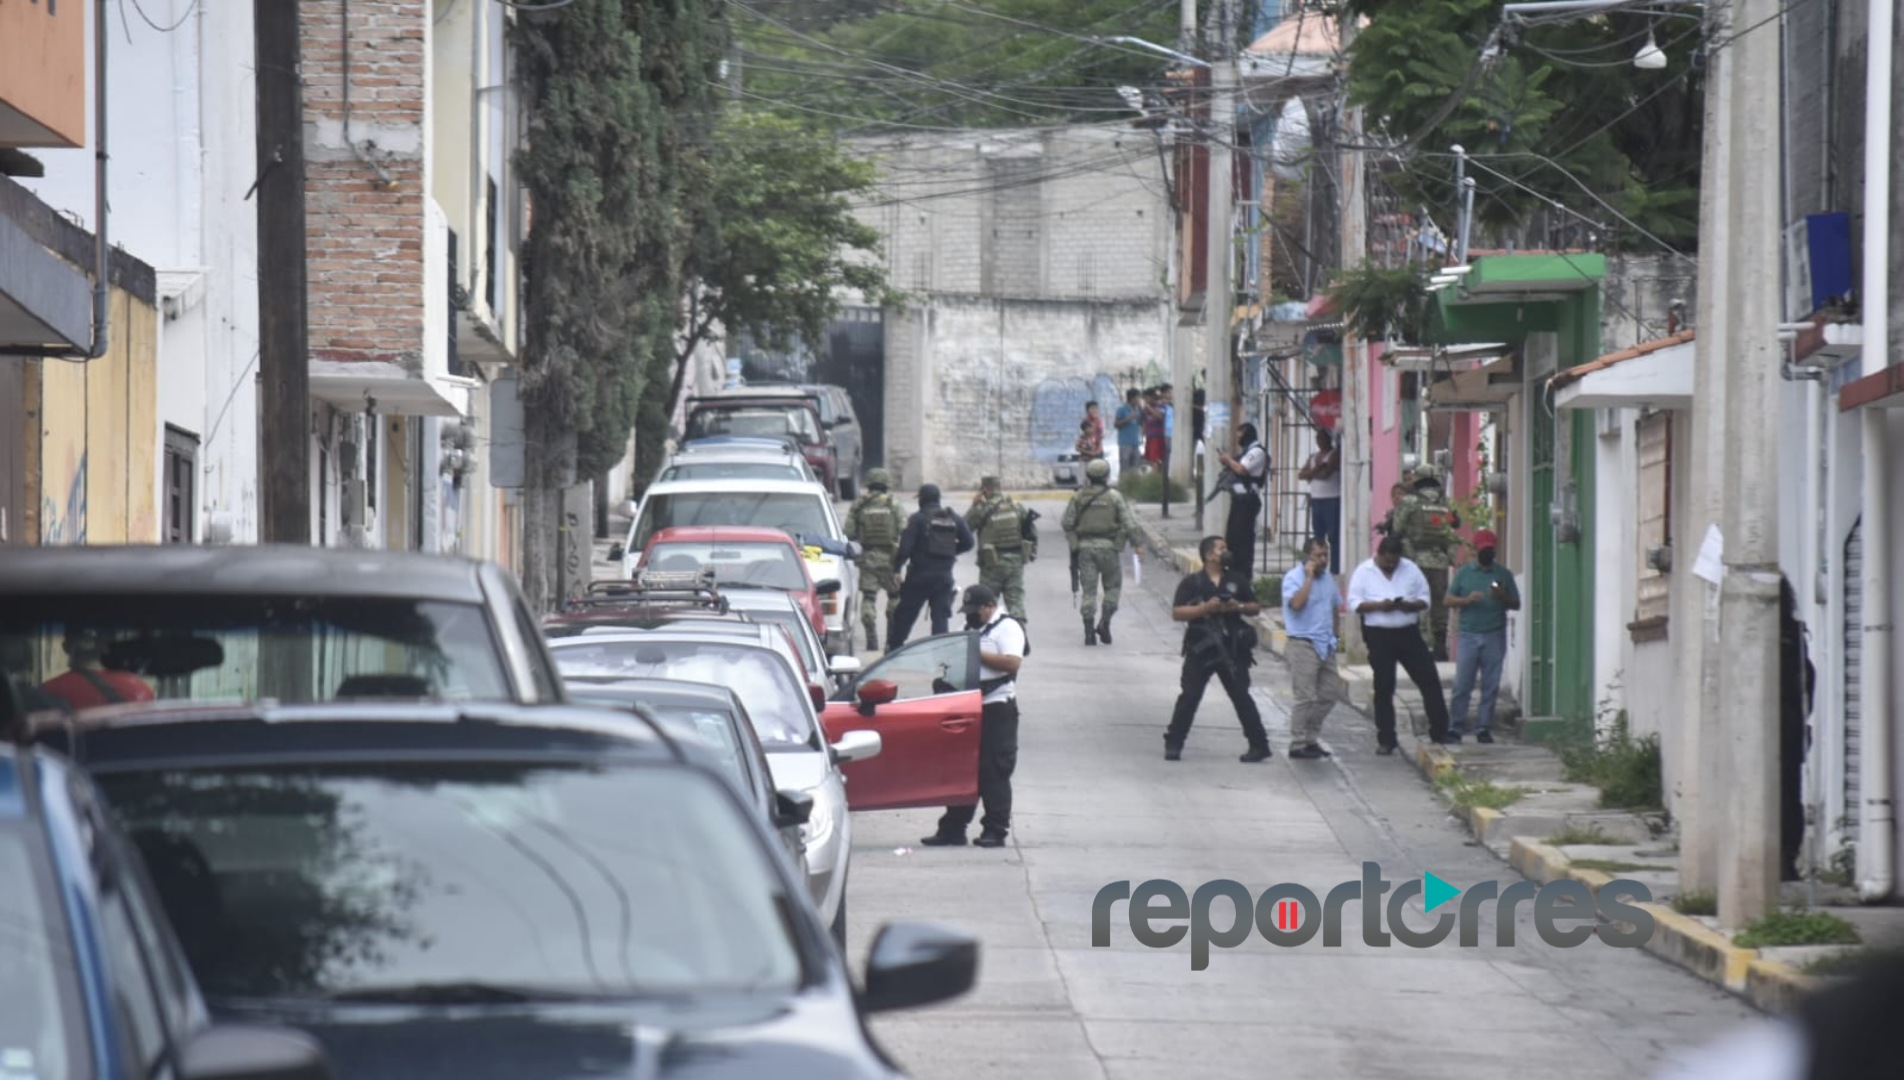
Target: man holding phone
column 1312, row 608
column 1390, row 592
column 1484, row 592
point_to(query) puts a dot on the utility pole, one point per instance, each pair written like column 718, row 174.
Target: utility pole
column 1749, row 589
column 1352, row 430
column 1219, row 293
column 284, row 367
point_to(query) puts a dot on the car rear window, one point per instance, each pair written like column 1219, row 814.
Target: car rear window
column 797, row 513
column 751, row 562
column 763, row 679
column 763, row 421
column 731, row 470
column 426, row 881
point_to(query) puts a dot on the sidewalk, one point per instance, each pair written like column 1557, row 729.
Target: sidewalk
column 1516, row 799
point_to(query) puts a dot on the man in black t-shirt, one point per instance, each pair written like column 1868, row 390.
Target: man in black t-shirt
column 1217, row 641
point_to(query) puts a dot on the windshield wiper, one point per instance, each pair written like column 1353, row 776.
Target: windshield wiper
column 458, row 993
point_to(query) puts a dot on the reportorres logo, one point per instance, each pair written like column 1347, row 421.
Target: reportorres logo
column 1290, row 915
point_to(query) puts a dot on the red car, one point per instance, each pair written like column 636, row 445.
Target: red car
column 742, row 557
column 924, row 702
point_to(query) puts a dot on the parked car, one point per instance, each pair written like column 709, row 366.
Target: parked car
column 287, row 623
column 743, row 557
column 783, row 610
column 840, row 422
column 715, row 717
column 93, row 980
column 722, row 462
column 804, row 511
column 769, row 415
column 923, row 699
column 491, row 892
column 784, row 714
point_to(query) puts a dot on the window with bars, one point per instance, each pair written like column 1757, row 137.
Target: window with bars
column 1655, row 439
column 181, row 486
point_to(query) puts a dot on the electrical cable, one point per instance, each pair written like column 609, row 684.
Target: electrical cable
column 193, row 6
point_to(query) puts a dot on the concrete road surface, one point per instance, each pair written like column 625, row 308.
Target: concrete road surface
column 1097, row 803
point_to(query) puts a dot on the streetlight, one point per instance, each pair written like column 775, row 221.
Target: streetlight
column 1650, row 58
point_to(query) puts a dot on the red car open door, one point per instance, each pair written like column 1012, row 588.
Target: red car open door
column 923, row 700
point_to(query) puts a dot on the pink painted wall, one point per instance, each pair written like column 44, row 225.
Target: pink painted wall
column 1385, row 447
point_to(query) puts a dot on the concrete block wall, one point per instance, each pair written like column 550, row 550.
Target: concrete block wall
column 365, row 231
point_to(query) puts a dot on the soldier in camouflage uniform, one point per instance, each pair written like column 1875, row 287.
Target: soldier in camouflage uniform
column 1003, row 546
column 1427, row 524
column 1098, row 523
column 876, row 521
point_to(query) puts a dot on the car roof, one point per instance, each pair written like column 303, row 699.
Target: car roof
column 739, row 487
column 238, row 570
column 772, row 391
column 650, row 686
column 733, row 533
column 203, row 731
column 763, row 599
column 734, row 455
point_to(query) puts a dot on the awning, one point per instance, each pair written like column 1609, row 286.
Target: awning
column 353, row 385
column 1656, row 374
column 1487, row 388
column 44, row 300
column 1441, row 357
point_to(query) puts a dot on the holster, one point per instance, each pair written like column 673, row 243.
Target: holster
column 987, row 556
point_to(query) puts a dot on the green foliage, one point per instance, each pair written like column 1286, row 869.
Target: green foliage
column 1376, row 302
column 1625, row 769
column 1797, row 926
column 1485, row 794
column 1696, row 903
column 1853, row 962
column 1611, row 866
column 1562, row 112
column 1269, row 589
column 1148, row 487
column 1592, row 834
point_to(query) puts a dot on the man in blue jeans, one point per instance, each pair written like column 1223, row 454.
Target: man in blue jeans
column 1484, row 592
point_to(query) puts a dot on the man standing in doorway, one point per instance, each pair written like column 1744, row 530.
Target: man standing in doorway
column 1484, row 592
column 1001, row 653
column 1390, row 594
column 1245, row 476
column 1312, row 610
column 1323, row 471
column 1216, row 642
column 934, row 539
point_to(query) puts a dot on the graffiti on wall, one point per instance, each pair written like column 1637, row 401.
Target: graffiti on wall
column 67, row 524
column 1057, row 408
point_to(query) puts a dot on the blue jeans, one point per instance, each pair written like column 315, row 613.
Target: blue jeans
column 1325, row 520
column 1487, row 653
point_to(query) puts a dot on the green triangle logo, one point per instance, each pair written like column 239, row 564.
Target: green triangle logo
column 1436, row 892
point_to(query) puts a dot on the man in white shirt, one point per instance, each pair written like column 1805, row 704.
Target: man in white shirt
column 1002, row 646
column 1244, row 480
column 1323, row 471
column 1390, row 592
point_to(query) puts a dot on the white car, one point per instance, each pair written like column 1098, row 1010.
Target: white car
column 801, row 509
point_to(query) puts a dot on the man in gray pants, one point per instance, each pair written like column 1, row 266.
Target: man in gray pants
column 1312, row 606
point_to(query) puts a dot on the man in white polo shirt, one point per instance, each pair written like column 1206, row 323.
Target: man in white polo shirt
column 1002, row 647
column 1390, row 592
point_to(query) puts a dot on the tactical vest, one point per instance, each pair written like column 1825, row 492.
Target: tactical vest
column 1430, row 526
column 879, row 525
column 942, row 534
column 1097, row 515
column 1001, row 525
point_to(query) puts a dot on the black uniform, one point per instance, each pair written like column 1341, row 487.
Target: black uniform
column 928, row 574
column 1219, row 645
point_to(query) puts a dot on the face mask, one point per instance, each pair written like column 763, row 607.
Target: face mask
column 1486, row 558
column 973, row 621
column 1226, row 562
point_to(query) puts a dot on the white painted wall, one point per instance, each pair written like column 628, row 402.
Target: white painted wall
column 181, row 119
column 1616, row 512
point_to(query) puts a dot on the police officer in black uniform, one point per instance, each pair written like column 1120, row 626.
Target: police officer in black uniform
column 935, row 537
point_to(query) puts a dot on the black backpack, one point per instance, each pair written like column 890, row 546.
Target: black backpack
column 942, row 534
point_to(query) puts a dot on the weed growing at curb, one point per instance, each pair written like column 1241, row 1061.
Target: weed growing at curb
column 1611, row 866
column 1269, row 589
column 1850, row 962
column 1696, row 903
column 1469, row 794
column 1592, row 834
column 1148, row 487
column 1625, row 769
column 1798, row 927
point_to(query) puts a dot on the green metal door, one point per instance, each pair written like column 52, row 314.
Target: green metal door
column 1540, row 599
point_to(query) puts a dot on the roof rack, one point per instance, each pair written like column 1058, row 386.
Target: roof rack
column 684, row 588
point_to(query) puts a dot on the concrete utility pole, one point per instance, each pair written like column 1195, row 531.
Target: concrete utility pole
column 284, row 364
column 1220, row 293
column 1749, row 592
column 1352, row 429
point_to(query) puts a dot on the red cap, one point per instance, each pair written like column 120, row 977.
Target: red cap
column 1483, row 538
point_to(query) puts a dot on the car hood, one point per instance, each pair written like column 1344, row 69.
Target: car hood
column 816, row 1036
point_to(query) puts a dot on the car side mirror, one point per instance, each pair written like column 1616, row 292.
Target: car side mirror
column 878, row 692
column 615, row 552
column 791, row 807
column 827, row 587
column 857, row 746
column 247, row 1052
column 818, row 693
column 918, row 963
column 844, row 665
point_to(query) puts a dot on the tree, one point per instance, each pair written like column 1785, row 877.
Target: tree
column 1562, row 116
column 620, row 100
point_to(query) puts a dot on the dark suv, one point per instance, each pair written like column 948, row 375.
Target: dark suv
column 842, row 426
column 767, row 413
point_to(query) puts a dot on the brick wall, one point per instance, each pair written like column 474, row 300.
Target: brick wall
column 365, row 231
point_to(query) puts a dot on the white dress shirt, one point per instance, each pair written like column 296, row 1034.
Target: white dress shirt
column 1006, row 638
column 1369, row 583
column 1253, row 461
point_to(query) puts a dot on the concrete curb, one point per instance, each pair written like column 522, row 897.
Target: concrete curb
column 1771, row 986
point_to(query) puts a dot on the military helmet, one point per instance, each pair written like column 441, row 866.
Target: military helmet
column 1098, row 469
column 879, row 479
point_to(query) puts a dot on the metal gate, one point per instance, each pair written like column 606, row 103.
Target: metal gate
column 1853, row 650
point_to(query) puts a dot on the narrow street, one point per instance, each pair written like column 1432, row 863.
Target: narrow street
column 1097, row 803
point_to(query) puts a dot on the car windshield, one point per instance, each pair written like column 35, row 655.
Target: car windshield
column 424, row 881
column 81, row 652
column 763, row 679
column 716, row 728
column 768, row 421
column 40, row 1031
column 797, row 626
column 797, row 513
column 773, row 566
column 731, row 470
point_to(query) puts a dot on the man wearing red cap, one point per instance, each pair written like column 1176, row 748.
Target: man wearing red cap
column 1484, row 592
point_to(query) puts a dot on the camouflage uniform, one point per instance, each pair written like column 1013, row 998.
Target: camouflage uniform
column 1427, row 523
column 1098, row 524
column 876, row 521
column 1003, row 546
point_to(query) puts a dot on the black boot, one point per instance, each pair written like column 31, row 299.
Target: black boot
column 1090, row 631
column 1104, row 625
